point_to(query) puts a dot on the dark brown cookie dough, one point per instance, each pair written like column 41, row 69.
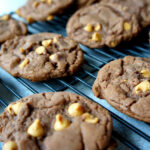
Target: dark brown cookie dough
column 125, row 84
column 10, row 28
column 41, row 56
column 56, row 121
column 41, row 10
column 141, row 8
column 102, row 24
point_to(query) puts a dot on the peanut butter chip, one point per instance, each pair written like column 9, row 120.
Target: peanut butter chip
column 35, row 4
column 24, row 63
column 15, row 108
column 10, row 145
column 5, row 18
column 127, row 26
column 18, row 12
column 98, row 27
column 96, row 37
column 88, row 28
column 55, row 40
column 36, row 129
column 142, row 87
column 22, row 50
column 124, row 8
column 40, row 50
column 30, row 19
column 60, row 123
column 90, row 118
column 46, row 43
column 49, row 18
column 49, row 2
column 113, row 44
column 75, row 110
column 145, row 73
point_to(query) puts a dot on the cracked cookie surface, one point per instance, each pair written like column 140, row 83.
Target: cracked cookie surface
column 40, row 10
column 102, row 24
column 41, row 56
column 140, row 8
column 125, row 84
column 9, row 28
column 33, row 122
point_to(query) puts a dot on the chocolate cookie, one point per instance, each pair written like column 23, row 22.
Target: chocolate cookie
column 10, row 28
column 102, row 24
column 41, row 10
column 125, row 84
column 41, row 56
column 141, row 8
column 56, row 121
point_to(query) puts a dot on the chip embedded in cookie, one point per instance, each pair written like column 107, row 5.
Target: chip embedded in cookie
column 137, row 7
column 102, row 24
column 42, row 10
column 41, row 56
column 125, row 84
column 56, row 121
column 9, row 28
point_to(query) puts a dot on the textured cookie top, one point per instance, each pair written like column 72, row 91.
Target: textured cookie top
column 102, row 24
column 83, row 3
column 141, row 8
column 35, row 10
column 125, row 84
column 56, row 121
column 10, row 28
column 41, row 56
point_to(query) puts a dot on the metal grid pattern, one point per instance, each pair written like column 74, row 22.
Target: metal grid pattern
column 130, row 133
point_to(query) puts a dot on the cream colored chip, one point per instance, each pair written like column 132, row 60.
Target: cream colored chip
column 15, row 108
column 36, row 129
column 88, row 28
column 50, row 17
column 145, row 73
column 5, row 18
column 10, row 145
column 98, row 27
column 142, row 87
column 40, row 50
column 24, row 63
column 96, row 37
column 22, row 50
column 60, row 123
column 127, row 26
column 53, row 57
column 90, row 118
column 35, row 4
column 55, row 40
column 46, row 43
column 75, row 110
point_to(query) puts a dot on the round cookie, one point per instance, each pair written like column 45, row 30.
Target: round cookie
column 125, row 84
column 41, row 56
column 56, row 121
column 140, row 8
column 10, row 28
column 41, row 10
column 102, row 24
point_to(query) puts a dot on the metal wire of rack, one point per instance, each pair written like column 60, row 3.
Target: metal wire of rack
column 130, row 133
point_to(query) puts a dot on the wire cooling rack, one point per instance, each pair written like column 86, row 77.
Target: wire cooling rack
column 129, row 133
